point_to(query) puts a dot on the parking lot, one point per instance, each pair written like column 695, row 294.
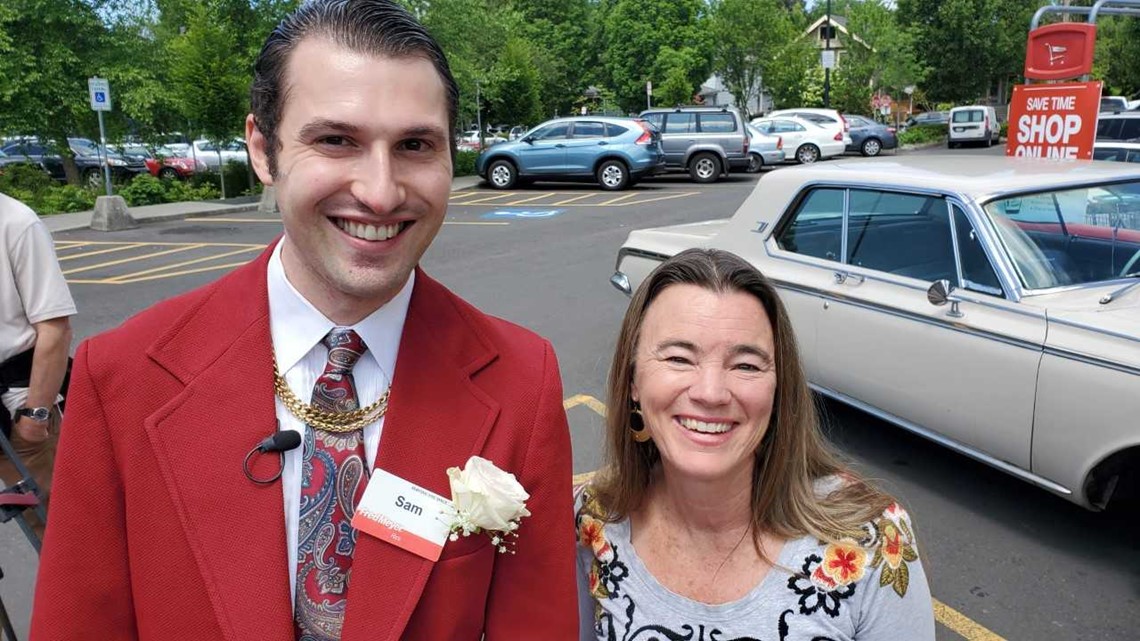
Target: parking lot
column 1005, row 560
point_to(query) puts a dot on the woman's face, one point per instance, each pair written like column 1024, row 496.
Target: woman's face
column 705, row 375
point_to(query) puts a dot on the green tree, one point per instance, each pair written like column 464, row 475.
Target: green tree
column 513, row 87
column 564, row 49
column 796, row 78
column 633, row 36
column 882, row 59
column 749, row 35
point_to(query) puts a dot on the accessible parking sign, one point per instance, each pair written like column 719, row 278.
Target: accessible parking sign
column 1053, row 121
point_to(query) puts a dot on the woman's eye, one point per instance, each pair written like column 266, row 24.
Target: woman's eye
column 680, row 360
column 748, row 367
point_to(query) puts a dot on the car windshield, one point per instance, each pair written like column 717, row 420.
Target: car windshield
column 1073, row 236
column 970, row 115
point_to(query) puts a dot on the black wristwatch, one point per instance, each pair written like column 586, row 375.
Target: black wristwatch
column 40, row 414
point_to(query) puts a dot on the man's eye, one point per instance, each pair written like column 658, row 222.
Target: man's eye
column 335, row 141
column 415, row 145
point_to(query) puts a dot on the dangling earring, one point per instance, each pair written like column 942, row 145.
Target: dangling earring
column 637, row 424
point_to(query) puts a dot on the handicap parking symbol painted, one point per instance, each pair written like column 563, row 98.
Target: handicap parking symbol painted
column 499, row 214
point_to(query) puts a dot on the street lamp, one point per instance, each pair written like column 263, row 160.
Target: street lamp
column 591, row 94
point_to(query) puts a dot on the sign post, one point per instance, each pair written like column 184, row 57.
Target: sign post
column 648, row 94
column 99, row 91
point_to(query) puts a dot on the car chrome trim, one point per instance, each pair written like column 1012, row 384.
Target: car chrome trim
column 621, row 282
column 944, row 324
column 945, row 442
column 638, row 253
column 1094, row 328
column 1092, row 360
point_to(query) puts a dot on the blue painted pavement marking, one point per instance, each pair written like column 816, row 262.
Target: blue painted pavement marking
column 499, row 214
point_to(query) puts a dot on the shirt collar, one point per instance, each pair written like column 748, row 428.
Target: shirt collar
column 297, row 327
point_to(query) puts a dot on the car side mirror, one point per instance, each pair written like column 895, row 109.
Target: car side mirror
column 528, row 140
column 939, row 294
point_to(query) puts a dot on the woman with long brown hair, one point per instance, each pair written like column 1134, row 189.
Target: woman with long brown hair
column 721, row 512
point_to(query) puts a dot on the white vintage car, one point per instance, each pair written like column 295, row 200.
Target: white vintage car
column 991, row 304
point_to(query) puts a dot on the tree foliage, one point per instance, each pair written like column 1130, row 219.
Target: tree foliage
column 749, row 37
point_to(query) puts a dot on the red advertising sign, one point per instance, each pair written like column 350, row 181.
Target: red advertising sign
column 1053, row 121
column 1060, row 51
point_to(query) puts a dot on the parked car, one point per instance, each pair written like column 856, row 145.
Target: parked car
column 88, row 159
column 763, row 149
column 990, row 306
column 169, row 163
column 214, row 157
column 829, row 119
column 516, row 132
column 973, row 123
column 1117, row 151
column 1118, row 126
column 868, row 137
column 616, row 152
column 807, row 141
column 927, row 118
column 707, row 142
column 1114, row 103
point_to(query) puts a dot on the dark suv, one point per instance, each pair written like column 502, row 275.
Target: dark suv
column 705, row 141
column 87, row 160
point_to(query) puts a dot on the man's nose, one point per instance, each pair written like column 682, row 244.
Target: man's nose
column 378, row 184
column 710, row 386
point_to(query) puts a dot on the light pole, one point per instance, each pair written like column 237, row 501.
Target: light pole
column 478, row 115
column 826, row 68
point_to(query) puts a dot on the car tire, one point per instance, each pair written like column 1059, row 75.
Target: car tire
column 502, row 174
column 950, row 144
column 168, row 173
column 871, row 147
column 704, row 167
column 612, row 175
column 755, row 164
column 807, row 154
column 93, row 178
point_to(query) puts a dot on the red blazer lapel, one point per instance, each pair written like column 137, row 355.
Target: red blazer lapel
column 222, row 351
column 437, row 418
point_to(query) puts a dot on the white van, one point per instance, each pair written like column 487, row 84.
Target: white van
column 974, row 123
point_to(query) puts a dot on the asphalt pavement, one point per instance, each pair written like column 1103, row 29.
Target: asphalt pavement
column 1005, row 560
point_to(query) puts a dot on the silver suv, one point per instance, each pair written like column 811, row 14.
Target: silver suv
column 1118, row 126
column 707, row 142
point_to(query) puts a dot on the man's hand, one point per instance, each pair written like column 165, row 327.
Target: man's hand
column 31, row 431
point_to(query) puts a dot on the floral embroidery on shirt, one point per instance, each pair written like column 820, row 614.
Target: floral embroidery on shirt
column 843, row 564
column 817, row 589
column 893, row 542
column 606, row 571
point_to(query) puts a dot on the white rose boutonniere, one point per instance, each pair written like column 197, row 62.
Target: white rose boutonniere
column 486, row 499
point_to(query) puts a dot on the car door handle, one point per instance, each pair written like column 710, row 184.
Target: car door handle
column 842, row 278
column 603, row 142
column 559, row 146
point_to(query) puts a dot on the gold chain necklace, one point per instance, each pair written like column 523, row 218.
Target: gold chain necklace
column 336, row 422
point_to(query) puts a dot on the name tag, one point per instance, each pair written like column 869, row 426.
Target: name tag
column 404, row 514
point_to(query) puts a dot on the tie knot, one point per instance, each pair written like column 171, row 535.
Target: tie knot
column 345, row 348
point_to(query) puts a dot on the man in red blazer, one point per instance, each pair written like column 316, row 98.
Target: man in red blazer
column 156, row 532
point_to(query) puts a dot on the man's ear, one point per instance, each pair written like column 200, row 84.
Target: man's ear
column 257, row 150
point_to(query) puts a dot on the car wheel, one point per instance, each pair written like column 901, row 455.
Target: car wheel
column 807, row 154
column 168, row 173
column 755, row 163
column 704, row 167
column 950, row 144
column 502, row 174
column 612, row 175
column 871, row 147
column 93, row 178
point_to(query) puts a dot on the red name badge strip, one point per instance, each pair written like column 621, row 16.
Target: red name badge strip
column 404, row 514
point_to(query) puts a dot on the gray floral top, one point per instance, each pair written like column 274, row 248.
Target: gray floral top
column 870, row 590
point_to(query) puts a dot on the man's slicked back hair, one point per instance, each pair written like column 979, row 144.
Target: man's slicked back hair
column 374, row 27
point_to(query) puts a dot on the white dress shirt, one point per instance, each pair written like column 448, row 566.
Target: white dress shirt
column 297, row 329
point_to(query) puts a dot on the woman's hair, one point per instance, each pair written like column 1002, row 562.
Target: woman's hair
column 792, row 456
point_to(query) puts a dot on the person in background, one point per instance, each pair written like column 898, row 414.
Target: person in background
column 167, row 521
column 35, row 341
column 720, row 510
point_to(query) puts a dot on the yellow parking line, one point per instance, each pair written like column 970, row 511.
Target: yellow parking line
column 945, row 615
column 963, row 625
column 88, row 281
column 97, row 252
column 132, row 259
column 69, row 244
column 618, row 199
column 181, row 273
column 570, row 200
column 130, row 277
column 527, row 200
column 483, row 200
column 651, row 200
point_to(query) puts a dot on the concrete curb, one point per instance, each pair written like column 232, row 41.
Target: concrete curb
column 177, row 211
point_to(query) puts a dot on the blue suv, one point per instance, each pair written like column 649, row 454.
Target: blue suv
column 615, row 152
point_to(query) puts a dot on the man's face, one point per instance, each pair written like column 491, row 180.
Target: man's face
column 363, row 173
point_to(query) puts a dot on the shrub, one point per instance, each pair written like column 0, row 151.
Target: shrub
column 144, row 189
column 922, row 134
column 465, row 163
column 27, row 178
column 1005, row 130
column 66, row 198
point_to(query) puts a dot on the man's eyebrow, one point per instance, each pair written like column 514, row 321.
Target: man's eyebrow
column 426, row 131
column 324, row 126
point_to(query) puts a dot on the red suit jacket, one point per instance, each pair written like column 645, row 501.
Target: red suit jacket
column 156, row 534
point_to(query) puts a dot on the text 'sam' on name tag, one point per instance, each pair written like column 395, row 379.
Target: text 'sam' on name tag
column 404, row 514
